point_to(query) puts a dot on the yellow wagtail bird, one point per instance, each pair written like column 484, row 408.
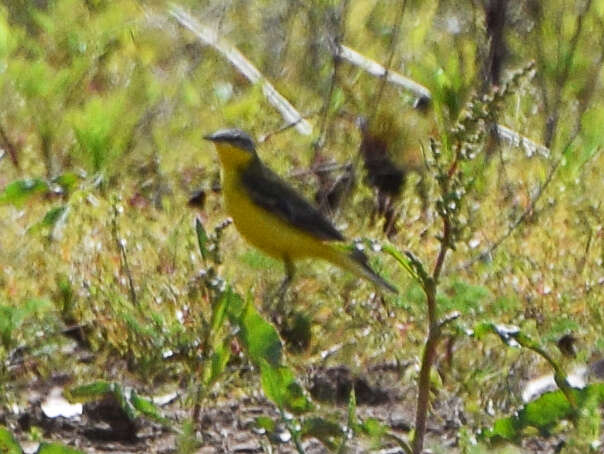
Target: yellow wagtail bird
column 273, row 217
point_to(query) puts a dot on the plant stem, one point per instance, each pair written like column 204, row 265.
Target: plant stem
column 123, row 255
column 423, row 397
column 434, row 334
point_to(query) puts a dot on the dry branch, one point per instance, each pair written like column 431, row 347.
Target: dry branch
column 210, row 37
column 514, row 139
column 509, row 136
column 375, row 69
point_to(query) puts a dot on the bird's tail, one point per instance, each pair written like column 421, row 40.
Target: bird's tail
column 357, row 263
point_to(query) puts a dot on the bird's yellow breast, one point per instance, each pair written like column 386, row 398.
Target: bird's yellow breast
column 263, row 229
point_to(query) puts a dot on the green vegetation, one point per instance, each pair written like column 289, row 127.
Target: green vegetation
column 115, row 284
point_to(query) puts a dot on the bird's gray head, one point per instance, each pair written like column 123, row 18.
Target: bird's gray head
column 235, row 137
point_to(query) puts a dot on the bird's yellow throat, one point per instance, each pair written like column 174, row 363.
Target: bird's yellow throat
column 233, row 158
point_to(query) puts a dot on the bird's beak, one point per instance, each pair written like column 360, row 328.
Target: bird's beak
column 209, row 137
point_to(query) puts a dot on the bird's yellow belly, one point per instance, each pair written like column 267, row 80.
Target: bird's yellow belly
column 266, row 231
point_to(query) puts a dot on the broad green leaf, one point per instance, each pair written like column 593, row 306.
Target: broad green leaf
column 8, row 444
column 56, row 448
column 17, row 192
column 259, row 337
column 263, row 345
column 146, row 407
column 280, row 386
column 544, row 413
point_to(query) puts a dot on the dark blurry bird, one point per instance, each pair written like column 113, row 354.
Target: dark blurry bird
column 389, row 158
column 383, row 174
column 273, row 217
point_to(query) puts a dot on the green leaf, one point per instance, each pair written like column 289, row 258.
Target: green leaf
column 202, row 239
column 507, row 333
column 352, row 409
column 123, row 399
column 217, row 344
column 220, row 358
column 218, row 314
column 147, row 408
column 129, row 401
column 506, row 428
column 373, row 428
column 56, row 448
column 91, row 391
column 235, row 306
column 411, row 264
column 50, row 218
column 19, row 191
column 67, row 181
column 544, row 413
column 8, row 444
column 99, row 389
column 259, row 337
column 266, row 423
column 280, row 386
column 264, row 348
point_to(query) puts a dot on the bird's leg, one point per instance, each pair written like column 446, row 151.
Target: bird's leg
column 289, row 275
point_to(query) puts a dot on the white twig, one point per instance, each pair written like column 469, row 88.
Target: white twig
column 374, row 68
column 211, row 38
column 509, row 136
column 514, row 139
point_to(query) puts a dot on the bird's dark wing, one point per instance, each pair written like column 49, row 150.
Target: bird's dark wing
column 275, row 195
